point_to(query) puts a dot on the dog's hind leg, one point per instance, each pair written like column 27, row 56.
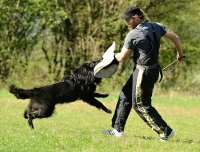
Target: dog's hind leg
column 30, row 121
column 41, row 113
column 94, row 102
column 31, row 117
column 98, row 95
column 25, row 114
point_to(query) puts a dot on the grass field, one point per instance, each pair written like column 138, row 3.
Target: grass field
column 76, row 127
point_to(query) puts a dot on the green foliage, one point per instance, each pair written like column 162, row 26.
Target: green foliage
column 18, row 36
column 58, row 36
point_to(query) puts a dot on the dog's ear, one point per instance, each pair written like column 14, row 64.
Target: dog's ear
column 84, row 71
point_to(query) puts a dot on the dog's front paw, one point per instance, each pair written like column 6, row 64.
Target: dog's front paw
column 105, row 95
column 109, row 111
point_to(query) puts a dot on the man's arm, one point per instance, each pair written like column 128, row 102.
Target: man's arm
column 172, row 36
column 123, row 55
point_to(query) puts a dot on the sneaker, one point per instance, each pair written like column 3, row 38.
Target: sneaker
column 113, row 132
column 165, row 138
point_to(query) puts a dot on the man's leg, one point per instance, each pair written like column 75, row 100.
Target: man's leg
column 143, row 84
column 122, row 109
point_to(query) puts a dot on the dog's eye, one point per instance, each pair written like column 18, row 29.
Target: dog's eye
column 91, row 65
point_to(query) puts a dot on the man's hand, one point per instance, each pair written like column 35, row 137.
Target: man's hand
column 181, row 58
column 123, row 55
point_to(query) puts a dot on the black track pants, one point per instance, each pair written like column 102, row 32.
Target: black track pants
column 137, row 92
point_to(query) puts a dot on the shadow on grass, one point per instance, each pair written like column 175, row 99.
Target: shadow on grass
column 171, row 140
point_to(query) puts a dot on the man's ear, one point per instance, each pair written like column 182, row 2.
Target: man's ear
column 135, row 17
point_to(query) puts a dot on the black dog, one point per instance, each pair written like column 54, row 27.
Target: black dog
column 80, row 85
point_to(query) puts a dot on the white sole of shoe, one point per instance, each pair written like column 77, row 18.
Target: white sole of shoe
column 115, row 133
column 170, row 136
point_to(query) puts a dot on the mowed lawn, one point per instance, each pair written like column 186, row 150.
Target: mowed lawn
column 76, row 127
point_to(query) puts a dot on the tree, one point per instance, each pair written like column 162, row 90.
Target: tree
column 18, row 35
column 70, row 32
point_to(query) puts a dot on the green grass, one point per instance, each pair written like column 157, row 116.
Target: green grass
column 76, row 127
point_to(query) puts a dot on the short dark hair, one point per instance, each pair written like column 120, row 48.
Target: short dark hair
column 141, row 16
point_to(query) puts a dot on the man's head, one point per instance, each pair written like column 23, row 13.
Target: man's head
column 133, row 16
column 131, row 11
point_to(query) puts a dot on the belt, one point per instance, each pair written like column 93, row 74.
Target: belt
column 143, row 67
column 148, row 66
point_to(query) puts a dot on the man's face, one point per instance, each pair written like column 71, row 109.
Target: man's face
column 131, row 22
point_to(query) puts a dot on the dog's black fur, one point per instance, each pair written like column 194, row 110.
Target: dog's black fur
column 80, row 85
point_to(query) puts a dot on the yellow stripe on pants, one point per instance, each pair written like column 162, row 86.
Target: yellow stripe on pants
column 139, row 101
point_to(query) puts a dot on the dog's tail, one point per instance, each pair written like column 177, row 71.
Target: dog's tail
column 19, row 93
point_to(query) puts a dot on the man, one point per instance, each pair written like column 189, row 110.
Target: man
column 144, row 42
